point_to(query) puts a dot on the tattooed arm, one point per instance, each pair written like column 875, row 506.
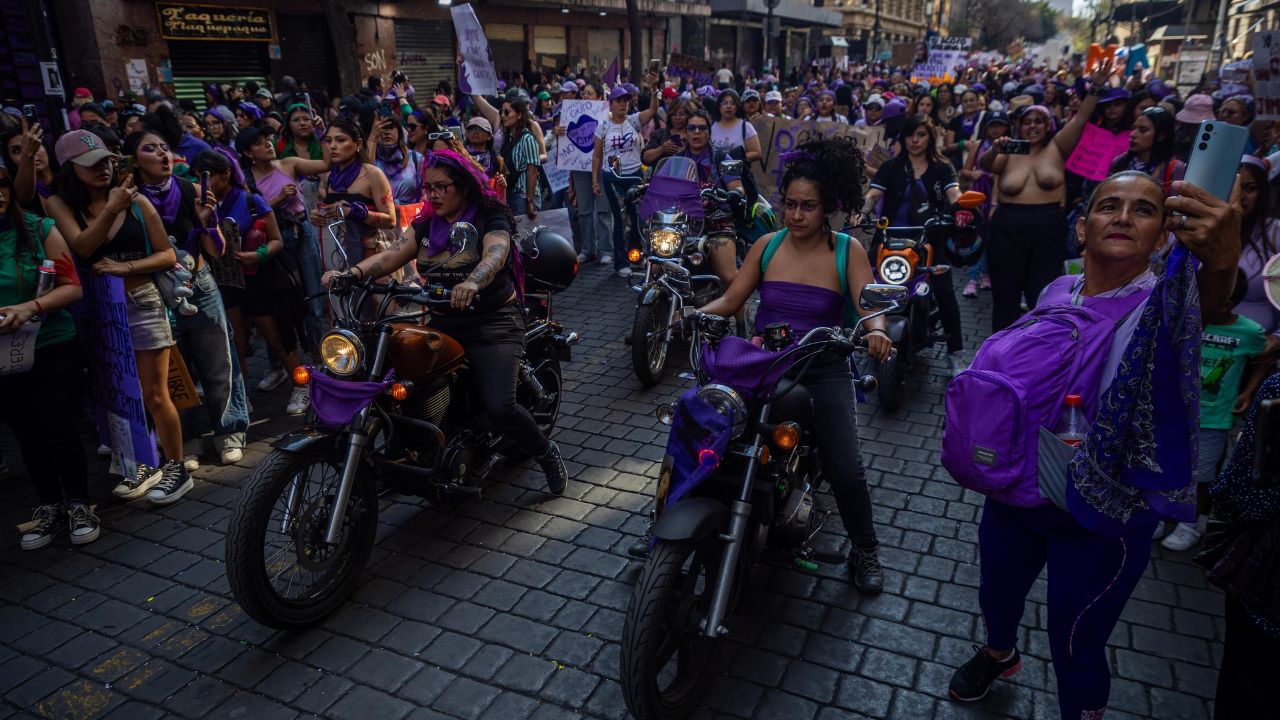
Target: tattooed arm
column 496, row 246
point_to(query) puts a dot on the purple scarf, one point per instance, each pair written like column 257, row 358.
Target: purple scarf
column 341, row 178
column 438, row 229
column 165, row 197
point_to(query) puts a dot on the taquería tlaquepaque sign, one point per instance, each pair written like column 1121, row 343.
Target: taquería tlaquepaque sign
column 214, row 22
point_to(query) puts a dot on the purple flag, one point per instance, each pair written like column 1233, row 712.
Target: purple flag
column 611, row 75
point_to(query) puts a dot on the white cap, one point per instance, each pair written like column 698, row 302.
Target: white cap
column 773, row 96
column 875, row 99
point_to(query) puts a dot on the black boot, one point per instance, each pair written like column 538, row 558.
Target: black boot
column 864, row 564
column 553, row 468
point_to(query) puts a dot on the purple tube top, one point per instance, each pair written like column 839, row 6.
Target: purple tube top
column 803, row 307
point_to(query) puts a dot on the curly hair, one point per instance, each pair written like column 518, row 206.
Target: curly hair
column 836, row 166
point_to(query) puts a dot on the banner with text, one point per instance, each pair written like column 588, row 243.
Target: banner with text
column 1095, row 152
column 103, row 325
column 476, row 76
column 778, row 136
column 1266, row 73
column 579, row 118
column 945, row 55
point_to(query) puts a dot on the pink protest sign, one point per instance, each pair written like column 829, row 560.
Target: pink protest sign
column 1095, row 152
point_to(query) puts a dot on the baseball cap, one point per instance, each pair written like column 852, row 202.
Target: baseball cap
column 618, row 92
column 894, row 109
column 442, row 100
column 773, row 96
column 669, row 93
column 544, row 95
column 569, row 87
column 480, row 123
column 750, row 95
column 80, row 147
column 875, row 99
column 83, row 92
column 1199, row 107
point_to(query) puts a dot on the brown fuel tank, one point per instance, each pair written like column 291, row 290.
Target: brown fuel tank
column 420, row 354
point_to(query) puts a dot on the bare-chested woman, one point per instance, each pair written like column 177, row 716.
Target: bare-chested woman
column 1029, row 228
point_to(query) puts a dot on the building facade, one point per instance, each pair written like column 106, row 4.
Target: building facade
column 899, row 21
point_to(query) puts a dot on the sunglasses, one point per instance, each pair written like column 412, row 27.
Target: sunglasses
column 412, row 126
column 697, row 128
column 442, row 135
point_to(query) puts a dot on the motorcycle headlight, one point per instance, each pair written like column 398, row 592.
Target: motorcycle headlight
column 665, row 242
column 895, row 270
column 341, row 352
column 727, row 402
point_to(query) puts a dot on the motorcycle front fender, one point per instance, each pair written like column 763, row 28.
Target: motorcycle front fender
column 299, row 440
column 691, row 519
column 651, row 293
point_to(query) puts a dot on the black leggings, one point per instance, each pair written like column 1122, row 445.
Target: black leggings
column 1025, row 254
column 830, row 384
column 495, row 346
column 42, row 406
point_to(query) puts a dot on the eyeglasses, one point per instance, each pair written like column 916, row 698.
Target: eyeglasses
column 433, row 189
column 412, row 126
column 697, row 128
column 508, row 111
column 442, row 135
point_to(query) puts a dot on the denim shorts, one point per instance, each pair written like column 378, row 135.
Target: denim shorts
column 148, row 318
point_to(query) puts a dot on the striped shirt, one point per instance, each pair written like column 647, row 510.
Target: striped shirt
column 524, row 154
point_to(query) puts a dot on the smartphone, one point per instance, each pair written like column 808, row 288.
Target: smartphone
column 654, row 65
column 384, row 110
column 29, row 112
column 679, row 141
column 1215, row 157
column 126, row 166
column 1018, row 147
column 204, row 184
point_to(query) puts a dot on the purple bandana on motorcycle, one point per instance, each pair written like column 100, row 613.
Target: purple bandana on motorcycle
column 698, row 439
column 337, row 401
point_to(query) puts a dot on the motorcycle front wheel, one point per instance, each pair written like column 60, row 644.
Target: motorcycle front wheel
column 650, row 340
column 665, row 659
column 890, row 381
column 279, row 566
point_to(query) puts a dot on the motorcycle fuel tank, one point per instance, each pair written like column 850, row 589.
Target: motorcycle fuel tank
column 420, row 354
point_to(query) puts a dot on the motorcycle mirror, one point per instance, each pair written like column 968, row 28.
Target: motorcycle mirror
column 730, row 167
column 876, row 295
column 462, row 236
column 971, row 200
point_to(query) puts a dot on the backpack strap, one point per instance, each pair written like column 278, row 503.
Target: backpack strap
column 842, row 261
column 769, row 250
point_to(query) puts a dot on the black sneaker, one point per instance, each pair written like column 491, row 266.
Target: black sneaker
column 175, row 482
column 47, row 521
column 132, row 488
column 640, row 548
column 553, row 468
column 864, row 564
column 974, row 679
column 84, row 524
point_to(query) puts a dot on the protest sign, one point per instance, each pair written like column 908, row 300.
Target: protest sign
column 1266, row 74
column 18, row 349
column 557, row 178
column 579, row 118
column 477, row 76
column 778, row 136
column 405, row 215
column 103, row 326
column 610, row 76
column 1233, row 78
column 181, row 390
column 697, row 71
column 1095, row 152
column 945, row 55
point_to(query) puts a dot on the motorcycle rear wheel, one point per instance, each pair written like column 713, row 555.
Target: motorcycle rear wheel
column 665, row 659
column 265, row 555
column 649, row 354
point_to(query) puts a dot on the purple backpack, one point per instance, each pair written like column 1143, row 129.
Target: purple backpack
column 1018, row 382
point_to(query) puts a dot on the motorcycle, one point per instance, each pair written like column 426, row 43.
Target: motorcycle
column 677, row 267
column 740, row 477
column 391, row 410
column 904, row 255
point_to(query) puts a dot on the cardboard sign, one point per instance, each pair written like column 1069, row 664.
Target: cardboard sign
column 476, row 76
column 181, row 389
column 1095, row 152
column 579, row 118
column 697, row 71
column 1266, row 74
column 778, row 136
column 103, row 326
column 945, row 55
column 18, row 349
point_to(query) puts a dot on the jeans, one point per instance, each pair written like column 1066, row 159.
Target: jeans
column 1090, row 579
column 518, row 203
column 614, row 190
column 830, row 384
column 42, row 407
column 1213, row 448
column 594, row 219
column 978, row 269
column 944, row 293
column 1025, row 254
column 206, row 345
column 305, row 249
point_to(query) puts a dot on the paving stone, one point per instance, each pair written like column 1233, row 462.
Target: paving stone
column 363, row 702
column 466, row 698
column 383, row 670
column 525, row 673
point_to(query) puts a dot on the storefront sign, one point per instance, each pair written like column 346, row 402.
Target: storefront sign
column 579, row 118
column 1266, row 73
column 687, row 67
column 778, row 136
column 1095, row 152
column 477, row 76
column 214, row 22
column 103, row 326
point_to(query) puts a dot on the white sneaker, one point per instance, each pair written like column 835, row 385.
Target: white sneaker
column 1162, row 529
column 956, row 363
column 231, row 455
column 135, row 487
column 272, row 380
column 191, row 463
column 1183, row 537
column 606, row 259
column 583, row 257
column 624, row 272
column 299, row 401
column 104, row 450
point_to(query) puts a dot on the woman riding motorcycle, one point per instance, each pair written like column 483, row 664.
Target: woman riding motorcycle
column 801, row 286
column 493, row 330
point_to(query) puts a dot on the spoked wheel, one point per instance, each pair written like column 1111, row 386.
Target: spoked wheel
column 547, row 412
column 279, row 566
column 650, row 338
column 666, row 660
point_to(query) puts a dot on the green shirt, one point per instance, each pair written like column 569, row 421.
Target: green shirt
column 19, row 274
column 1224, row 354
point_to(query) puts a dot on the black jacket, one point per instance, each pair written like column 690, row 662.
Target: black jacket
column 895, row 181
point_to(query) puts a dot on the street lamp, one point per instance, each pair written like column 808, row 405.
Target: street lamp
column 875, row 35
column 768, row 32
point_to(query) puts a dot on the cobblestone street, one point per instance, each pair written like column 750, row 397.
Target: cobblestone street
column 512, row 606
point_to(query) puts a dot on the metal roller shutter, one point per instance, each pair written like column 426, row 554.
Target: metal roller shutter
column 424, row 52
column 196, row 63
column 306, row 51
column 506, row 43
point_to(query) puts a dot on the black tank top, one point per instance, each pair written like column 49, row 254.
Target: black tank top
column 129, row 242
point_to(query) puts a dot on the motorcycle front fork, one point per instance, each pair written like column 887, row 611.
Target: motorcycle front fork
column 739, row 517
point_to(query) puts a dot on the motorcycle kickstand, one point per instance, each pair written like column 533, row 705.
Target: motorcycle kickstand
column 805, row 553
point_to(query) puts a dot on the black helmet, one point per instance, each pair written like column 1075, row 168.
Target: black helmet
column 550, row 262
